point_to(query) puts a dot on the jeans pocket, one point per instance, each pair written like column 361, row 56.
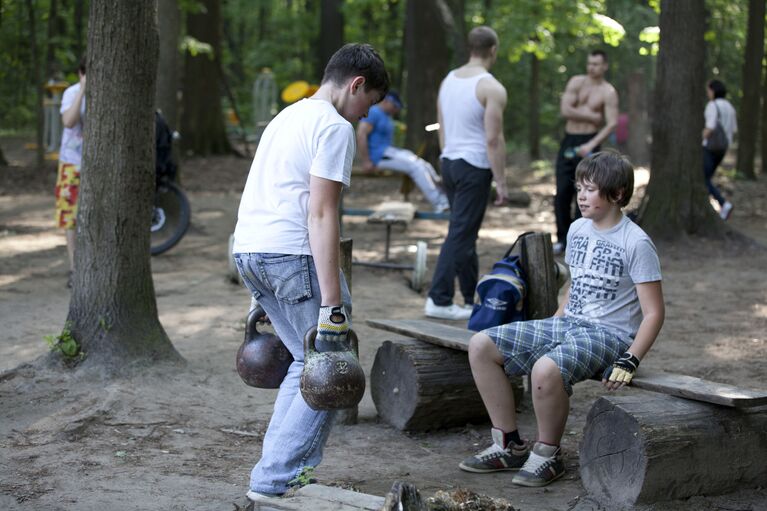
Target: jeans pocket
column 248, row 277
column 289, row 277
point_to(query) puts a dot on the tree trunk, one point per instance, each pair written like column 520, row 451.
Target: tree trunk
column 641, row 448
column 331, row 36
column 113, row 312
column 748, row 117
column 638, row 149
column 38, row 80
column 50, row 55
column 534, row 113
column 3, row 161
column 202, row 120
column 677, row 199
column 427, row 58
column 764, row 123
column 169, row 25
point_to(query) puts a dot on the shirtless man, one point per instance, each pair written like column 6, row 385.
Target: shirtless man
column 590, row 105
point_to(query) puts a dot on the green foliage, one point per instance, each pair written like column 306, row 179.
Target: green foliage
column 64, row 343
column 196, row 47
column 304, row 478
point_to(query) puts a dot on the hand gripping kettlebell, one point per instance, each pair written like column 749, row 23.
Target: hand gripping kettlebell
column 332, row 380
column 262, row 360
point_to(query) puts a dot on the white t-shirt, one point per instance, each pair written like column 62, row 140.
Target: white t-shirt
column 605, row 267
column 726, row 117
column 71, row 150
column 463, row 119
column 307, row 138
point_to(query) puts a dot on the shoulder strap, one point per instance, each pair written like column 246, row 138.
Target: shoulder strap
column 511, row 248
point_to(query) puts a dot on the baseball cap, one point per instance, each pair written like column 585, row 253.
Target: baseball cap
column 394, row 98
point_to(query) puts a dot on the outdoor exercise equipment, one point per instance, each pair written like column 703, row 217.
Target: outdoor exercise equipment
column 332, row 380
column 264, row 101
column 262, row 360
column 298, row 90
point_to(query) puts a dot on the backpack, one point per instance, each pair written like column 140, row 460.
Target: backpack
column 500, row 293
column 717, row 141
column 165, row 167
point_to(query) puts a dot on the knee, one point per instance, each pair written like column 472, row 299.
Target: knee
column 546, row 377
column 482, row 349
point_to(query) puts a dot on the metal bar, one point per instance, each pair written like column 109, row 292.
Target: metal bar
column 386, row 266
column 421, row 215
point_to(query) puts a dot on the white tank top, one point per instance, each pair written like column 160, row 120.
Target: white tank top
column 463, row 119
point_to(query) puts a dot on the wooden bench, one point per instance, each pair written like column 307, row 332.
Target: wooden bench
column 390, row 214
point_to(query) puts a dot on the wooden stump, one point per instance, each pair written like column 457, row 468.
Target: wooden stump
column 347, row 416
column 645, row 448
column 417, row 386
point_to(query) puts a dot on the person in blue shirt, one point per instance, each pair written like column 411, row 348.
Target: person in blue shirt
column 374, row 145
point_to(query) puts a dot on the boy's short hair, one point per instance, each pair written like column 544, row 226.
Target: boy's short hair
column 481, row 40
column 718, row 88
column 599, row 53
column 611, row 172
column 356, row 59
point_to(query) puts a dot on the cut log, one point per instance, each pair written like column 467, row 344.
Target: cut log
column 648, row 447
column 419, row 387
column 347, row 416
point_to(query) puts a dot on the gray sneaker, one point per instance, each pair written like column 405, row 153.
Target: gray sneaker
column 542, row 467
column 495, row 458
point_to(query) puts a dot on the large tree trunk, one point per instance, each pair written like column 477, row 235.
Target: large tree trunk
column 427, row 58
column 677, row 199
column 748, row 117
column 202, row 121
column 331, row 33
column 169, row 24
column 113, row 313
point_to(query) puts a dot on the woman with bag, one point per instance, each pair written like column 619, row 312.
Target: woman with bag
column 720, row 126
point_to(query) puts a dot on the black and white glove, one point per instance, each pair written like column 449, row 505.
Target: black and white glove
column 622, row 369
column 332, row 324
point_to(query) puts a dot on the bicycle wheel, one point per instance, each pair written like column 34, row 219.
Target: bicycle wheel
column 170, row 218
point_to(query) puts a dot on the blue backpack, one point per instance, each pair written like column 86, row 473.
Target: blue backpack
column 501, row 294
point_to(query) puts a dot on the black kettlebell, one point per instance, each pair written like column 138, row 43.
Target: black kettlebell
column 332, row 380
column 262, row 360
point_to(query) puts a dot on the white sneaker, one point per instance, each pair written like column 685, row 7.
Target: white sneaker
column 558, row 248
column 726, row 210
column 451, row 311
column 255, row 496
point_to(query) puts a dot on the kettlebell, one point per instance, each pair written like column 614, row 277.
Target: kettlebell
column 332, row 380
column 262, row 360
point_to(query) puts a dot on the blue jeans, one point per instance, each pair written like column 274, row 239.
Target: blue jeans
column 287, row 288
column 711, row 161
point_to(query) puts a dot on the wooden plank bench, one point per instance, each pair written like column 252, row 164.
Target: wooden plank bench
column 392, row 213
column 318, row 497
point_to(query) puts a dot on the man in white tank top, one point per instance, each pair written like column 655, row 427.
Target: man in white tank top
column 470, row 111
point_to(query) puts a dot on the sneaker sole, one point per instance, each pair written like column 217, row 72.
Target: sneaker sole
column 487, row 470
column 535, row 483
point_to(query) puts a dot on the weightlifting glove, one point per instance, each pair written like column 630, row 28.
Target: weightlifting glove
column 332, row 324
column 623, row 369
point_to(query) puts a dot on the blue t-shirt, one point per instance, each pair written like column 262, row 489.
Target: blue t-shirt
column 381, row 136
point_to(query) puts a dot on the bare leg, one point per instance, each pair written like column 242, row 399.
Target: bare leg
column 70, row 233
column 493, row 384
column 550, row 401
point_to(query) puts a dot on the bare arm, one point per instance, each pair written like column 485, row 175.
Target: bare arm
column 569, row 101
column 611, row 121
column 561, row 309
column 363, row 130
column 441, row 131
column 71, row 115
column 495, row 102
column 654, row 312
column 324, row 197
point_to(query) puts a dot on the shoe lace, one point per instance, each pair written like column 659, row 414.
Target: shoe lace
column 536, row 463
column 491, row 452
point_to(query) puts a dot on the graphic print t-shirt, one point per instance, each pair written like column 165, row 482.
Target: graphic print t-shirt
column 605, row 267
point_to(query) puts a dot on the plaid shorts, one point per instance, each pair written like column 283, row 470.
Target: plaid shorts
column 579, row 348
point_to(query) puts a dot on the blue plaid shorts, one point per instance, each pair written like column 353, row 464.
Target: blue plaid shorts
column 579, row 348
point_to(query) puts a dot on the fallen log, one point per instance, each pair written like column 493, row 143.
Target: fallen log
column 645, row 447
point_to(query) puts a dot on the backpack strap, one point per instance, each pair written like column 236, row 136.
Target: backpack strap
column 511, row 248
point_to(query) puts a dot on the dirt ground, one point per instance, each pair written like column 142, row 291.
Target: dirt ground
column 186, row 439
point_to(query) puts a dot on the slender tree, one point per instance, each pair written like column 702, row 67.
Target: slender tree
column 748, row 117
column 113, row 312
column 677, row 200
column 38, row 81
column 764, row 123
column 169, row 24
column 202, row 120
column 331, row 36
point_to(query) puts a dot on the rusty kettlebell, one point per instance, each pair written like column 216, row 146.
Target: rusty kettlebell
column 332, row 380
column 262, row 360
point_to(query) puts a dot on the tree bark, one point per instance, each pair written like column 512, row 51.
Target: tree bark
column 764, row 123
column 3, row 161
column 169, row 25
column 677, row 200
column 331, row 36
column 638, row 149
column 38, row 80
column 640, row 448
column 202, row 119
column 748, row 117
column 427, row 58
column 534, row 113
column 113, row 312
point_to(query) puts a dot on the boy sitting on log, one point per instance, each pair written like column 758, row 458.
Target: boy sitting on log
column 607, row 323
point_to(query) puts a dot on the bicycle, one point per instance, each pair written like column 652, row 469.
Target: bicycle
column 171, row 214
